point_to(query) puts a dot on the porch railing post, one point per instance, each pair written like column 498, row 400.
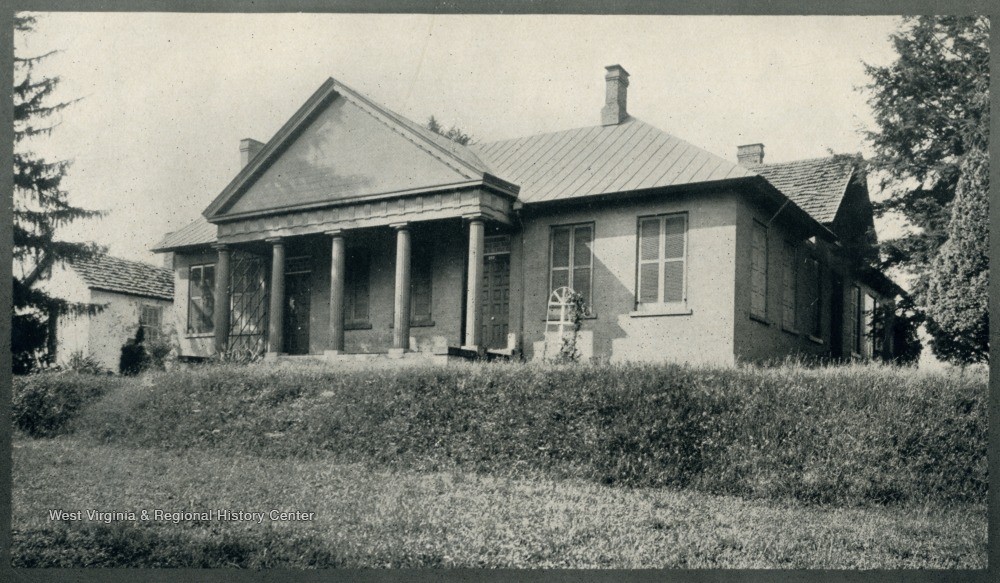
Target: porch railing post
column 474, row 285
column 220, row 314
column 337, row 275
column 275, row 329
column 401, row 313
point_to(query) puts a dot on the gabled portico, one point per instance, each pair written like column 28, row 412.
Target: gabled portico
column 333, row 186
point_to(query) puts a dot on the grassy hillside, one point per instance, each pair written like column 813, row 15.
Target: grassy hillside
column 845, row 436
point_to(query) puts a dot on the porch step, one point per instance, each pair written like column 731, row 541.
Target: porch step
column 358, row 360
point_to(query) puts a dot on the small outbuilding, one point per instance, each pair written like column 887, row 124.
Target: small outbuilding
column 132, row 294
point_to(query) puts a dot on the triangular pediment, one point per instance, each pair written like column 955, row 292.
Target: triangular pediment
column 341, row 147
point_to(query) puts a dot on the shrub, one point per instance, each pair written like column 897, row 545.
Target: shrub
column 853, row 434
column 43, row 403
column 79, row 363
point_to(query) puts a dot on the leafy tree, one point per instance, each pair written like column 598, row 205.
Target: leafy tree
column 927, row 104
column 453, row 133
column 41, row 206
column 931, row 107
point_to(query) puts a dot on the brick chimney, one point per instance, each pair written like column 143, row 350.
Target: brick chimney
column 616, row 96
column 750, row 154
column 249, row 148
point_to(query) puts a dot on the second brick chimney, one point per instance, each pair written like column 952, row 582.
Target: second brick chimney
column 750, row 154
column 249, row 148
column 614, row 111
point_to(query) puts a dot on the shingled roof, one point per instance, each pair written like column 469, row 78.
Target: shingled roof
column 817, row 185
column 595, row 160
column 107, row 273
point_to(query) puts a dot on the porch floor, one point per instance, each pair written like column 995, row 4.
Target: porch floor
column 382, row 359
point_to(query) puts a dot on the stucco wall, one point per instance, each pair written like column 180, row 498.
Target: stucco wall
column 447, row 242
column 119, row 321
column 198, row 345
column 767, row 339
column 615, row 333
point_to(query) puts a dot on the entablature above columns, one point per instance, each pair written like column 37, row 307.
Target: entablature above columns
column 362, row 214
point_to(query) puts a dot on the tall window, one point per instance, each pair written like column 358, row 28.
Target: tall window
column 572, row 260
column 870, row 328
column 356, row 289
column 758, row 271
column 814, row 297
column 420, row 284
column 789, row 287
column 201, row 299
column 856, row 329
column 662, row 258
column 151, row 320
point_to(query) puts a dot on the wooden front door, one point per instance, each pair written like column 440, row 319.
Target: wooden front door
column 496, row 300
column 297, row 292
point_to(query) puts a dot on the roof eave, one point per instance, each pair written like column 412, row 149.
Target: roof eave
column 134, row 294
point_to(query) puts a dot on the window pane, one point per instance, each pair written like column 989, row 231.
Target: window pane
column 581, row 282
column 356, row 285
column 560, row 278
column 208, row 278
column 673, row 233
column 195, row 279
column 560, row 247
column 649, row 239
column 649, row 282
column 581, row 245
column 420, row 283
column 673, row 281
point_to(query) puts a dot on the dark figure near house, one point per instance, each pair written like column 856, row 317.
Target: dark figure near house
column 133, row 358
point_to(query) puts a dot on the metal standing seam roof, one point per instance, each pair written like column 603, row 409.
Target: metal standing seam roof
column 135, row 278
column 817, row 185
column 198, row 233
column 598, row 160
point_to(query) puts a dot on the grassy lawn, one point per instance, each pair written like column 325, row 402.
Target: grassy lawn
column 374, row 517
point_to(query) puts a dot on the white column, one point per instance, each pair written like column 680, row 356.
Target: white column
column 474, row 285
column 337, row 265
column 275, row 335
column 401, row 313
column 221, row 313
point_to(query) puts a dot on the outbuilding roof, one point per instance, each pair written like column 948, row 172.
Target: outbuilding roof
column 817, row 185
column 590, row 161
column 113, row 274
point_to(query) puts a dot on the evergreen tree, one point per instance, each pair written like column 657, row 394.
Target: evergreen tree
column 931, row 106
column 957, row 291
column 41, row 206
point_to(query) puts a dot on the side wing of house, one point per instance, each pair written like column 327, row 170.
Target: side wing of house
column 798, row 296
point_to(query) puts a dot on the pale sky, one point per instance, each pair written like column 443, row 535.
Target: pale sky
column 166, row 98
